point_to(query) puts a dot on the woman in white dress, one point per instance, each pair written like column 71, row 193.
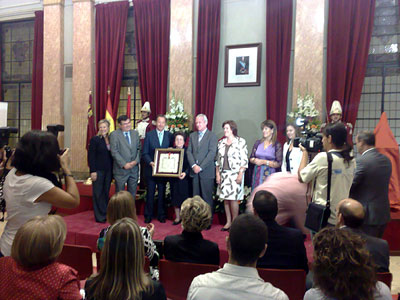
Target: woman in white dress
column 291, row 155
column 232, row 162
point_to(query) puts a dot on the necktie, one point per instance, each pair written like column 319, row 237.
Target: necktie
column 201, row 133
column 160, row 137
column 127, row 138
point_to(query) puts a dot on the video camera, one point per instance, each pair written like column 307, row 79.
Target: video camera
column 4, row 138
column 310, row 140
column 55, row 128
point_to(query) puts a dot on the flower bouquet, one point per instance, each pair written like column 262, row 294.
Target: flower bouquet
column 306, row 110
column 177, row 118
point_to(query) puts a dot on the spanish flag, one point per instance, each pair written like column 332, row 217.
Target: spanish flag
column 109, row 114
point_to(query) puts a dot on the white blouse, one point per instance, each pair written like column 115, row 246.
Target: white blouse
column 294, row 157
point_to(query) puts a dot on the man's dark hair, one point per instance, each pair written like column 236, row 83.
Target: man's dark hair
column 265, row 205
column 247, row 238
column 351, row 219
column 161, row 116
column 122, row 118
column 367, row 137
column 37, row 153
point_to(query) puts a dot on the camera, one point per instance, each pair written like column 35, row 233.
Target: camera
column 4, row 137
column 55, row 128
column 309, row 139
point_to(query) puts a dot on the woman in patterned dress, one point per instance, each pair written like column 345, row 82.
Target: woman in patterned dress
column 231, row 164
column 266, row 154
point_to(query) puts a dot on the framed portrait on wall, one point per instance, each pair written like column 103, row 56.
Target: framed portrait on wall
column 242, row 65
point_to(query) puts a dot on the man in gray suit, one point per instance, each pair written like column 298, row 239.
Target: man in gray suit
column 371, row 184
column 125, row 150
column 350, row 216
column 201, row 157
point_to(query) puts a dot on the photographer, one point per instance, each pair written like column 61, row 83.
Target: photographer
column 29, row 189
column 334, row 141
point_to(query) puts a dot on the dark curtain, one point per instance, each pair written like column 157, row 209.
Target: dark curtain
column 279, row 37
column 111, row 21
column 37, row 73
column 208, row 36
column 152, row 22
column 350, row 25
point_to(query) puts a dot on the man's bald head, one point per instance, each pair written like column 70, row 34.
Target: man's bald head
column 352, row 213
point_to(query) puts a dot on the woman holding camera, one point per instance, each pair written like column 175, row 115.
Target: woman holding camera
column 29, row 189
column 343, row 165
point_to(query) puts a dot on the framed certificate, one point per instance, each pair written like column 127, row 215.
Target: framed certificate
column 168, row 162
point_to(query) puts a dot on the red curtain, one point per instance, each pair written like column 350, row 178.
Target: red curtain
column 37, row 73
column 208, row 36
column 152, row 22
column 350, row 25
column 111, row 21
column 279, row 37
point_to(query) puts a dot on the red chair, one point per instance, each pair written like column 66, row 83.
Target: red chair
column 386, row 278
column 176, row 277
column 292, row 282
column 79, row 258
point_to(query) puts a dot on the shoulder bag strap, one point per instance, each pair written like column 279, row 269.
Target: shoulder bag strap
column 328, row 193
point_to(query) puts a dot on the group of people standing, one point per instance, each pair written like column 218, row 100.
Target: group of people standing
column 209, row 161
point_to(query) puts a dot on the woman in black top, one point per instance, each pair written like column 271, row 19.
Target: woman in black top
column 115, row 281
column 180, row 186
column 100, row 164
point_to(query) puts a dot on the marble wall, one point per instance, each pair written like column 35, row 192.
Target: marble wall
column 181, row 52
column 309, row 50
column 53, row 64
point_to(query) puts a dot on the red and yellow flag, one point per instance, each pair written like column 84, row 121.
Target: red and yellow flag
column 109, row 112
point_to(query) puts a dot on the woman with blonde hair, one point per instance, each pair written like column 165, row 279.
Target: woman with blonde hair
column 32, row 263
column 190, row 245
column 121, row 274
column 266, row 154
column 122, row 205
column 100, row 164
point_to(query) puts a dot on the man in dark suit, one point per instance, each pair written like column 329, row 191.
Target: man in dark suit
column 285, row 245
column 350, row 216
column 371, row 184
column 157, row 138
column 201, row 156
column 125, row 150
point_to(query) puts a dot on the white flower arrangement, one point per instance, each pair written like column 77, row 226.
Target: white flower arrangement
column 306, row 109
column 177, row 118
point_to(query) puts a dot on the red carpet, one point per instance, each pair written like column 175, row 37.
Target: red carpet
column 83, row 230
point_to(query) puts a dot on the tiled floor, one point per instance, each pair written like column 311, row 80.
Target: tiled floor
column 394, row 267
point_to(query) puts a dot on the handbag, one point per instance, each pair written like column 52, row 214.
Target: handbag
column 317, row 215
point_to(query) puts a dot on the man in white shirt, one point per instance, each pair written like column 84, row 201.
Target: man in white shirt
column 239, row 279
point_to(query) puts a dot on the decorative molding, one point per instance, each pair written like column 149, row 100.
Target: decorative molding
column 53, row 2
column 22, row 10
column 77, row 1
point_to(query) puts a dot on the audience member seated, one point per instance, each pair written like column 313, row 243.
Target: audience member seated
column 122, row 205
column 31, row 272
column 239, row 279
column 30, row 188
column 122, row 274
column 343, row 268
column 285, row 245
column 189, row 246
column 351, row 215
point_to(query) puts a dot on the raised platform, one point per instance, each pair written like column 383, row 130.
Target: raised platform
column 83, row 230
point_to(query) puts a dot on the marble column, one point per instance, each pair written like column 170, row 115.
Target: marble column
column 82, row 80
column 181, row 53
column 309, row 50
column 53, row 64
